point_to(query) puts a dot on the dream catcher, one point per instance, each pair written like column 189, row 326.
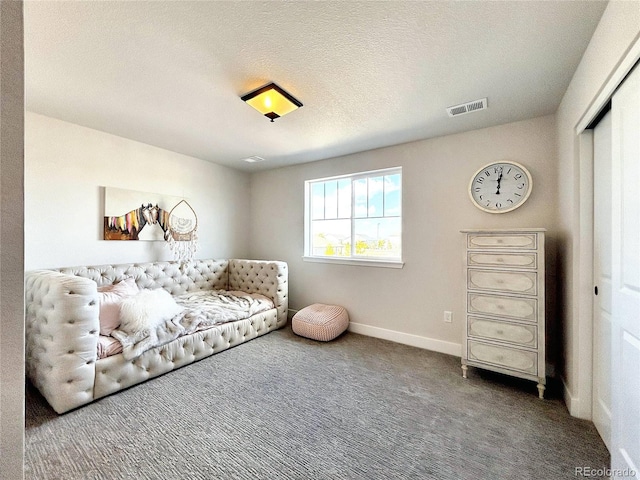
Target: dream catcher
column 181, row 233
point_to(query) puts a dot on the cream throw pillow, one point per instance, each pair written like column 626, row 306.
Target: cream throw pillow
column 110, row 298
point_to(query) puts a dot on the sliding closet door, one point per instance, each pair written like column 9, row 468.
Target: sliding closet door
column 602, row 274
column 625, row 279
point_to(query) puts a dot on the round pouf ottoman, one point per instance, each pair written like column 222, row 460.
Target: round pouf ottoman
column 320, row 322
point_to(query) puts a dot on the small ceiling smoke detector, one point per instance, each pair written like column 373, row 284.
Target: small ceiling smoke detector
column 254, row 159
column 468, row 107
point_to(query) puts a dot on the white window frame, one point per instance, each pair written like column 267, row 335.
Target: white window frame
column 352, row 260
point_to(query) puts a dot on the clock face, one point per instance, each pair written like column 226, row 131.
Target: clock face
column 500, row 187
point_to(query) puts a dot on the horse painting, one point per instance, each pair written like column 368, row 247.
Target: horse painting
column 129, row 225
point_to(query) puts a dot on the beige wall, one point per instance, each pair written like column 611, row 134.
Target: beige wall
column 11, row 242
column 67, row 165
column 617, row 32
column 407, row 304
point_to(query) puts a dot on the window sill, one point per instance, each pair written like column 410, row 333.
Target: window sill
column 354, row 261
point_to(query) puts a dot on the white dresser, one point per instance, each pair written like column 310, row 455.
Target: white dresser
column 505, row 320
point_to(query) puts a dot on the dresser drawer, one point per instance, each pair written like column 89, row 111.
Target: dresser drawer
column 502, row 281
column 508, row 240
column 517, row 260
column 525, row 335
column 523, row 361
column 514, row 307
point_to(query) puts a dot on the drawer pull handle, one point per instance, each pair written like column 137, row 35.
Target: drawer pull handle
column 500, row 240
column 499, row 260
column 500, row 358
column 499, row 332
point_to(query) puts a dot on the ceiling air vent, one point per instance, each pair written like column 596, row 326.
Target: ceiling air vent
column 467, row 107
column 254, row 159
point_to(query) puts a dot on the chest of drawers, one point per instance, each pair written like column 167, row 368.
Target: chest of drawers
column 504, row 328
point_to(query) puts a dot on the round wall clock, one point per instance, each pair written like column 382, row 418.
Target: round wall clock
column 500, row 187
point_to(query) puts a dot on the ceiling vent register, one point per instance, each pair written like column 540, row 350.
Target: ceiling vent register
column 254, row 159
column 468, row 107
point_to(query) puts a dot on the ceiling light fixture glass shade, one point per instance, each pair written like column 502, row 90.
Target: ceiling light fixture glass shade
column 272, row 101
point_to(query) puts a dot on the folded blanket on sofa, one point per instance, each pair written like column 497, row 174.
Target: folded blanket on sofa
column 202, row 310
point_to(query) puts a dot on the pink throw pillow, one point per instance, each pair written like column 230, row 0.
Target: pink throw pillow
column 110, row 298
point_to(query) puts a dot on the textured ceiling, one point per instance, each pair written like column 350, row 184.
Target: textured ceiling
column 370, row 74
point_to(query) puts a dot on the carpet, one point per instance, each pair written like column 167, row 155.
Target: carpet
column 285, row 407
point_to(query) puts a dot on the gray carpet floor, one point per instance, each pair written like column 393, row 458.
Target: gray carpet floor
column 284, row 407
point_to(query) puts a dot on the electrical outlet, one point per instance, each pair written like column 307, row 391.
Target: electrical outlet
column 448, row 316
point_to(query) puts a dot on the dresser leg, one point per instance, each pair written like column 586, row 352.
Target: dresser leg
column 464, row 371
column 541, row 389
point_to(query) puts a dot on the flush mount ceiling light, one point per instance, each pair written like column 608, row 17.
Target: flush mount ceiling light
column 272, row 101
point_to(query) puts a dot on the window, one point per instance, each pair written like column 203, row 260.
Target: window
column 355, row 218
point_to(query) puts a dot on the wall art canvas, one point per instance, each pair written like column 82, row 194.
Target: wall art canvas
column 133, row 215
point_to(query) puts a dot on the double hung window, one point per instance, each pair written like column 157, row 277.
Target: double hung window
column 355, row 217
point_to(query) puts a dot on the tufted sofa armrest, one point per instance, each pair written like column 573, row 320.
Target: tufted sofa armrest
column 269, row 278
column 62, row 327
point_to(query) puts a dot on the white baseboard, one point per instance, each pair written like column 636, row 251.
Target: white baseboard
column 579, row 408
column 407, row 339
column 572, row 402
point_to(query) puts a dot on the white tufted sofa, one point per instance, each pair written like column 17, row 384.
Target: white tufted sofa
column 62, row 324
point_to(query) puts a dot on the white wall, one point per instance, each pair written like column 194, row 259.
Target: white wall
column 409, row 303
column 11, row 242
column 66, row 168
column 616, row 34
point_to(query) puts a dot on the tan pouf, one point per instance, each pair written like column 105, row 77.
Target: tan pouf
column 320, row 322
